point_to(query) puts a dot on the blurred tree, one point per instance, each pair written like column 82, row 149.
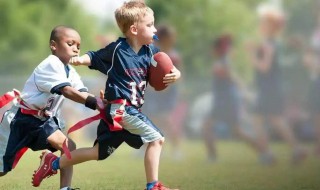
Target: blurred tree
column 25, row 30
column 198, row 22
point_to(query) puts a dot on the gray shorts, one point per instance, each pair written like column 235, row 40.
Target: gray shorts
column 137, row 130
column 137, row 123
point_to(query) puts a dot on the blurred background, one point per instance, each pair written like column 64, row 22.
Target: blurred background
column 217, row 46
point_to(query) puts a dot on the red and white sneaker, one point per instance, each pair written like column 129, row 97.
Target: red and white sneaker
column 45, row 168
column 159, row 186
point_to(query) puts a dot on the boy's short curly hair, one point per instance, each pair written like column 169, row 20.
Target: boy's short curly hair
column 130, row 13
column 57, row 32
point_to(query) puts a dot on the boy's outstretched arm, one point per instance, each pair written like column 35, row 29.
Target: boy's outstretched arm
column 172, row 77
column 81, row 60
column 82, row 97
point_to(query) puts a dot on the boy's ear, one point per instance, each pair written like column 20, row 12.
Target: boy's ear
column 53, row 45
column 133, row 29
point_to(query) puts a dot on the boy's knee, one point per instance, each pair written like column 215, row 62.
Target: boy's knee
column 71, row 145
column 158, row 142
column 3, row 174
column 161, row 141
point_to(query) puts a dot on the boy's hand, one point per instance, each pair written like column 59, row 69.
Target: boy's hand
column 101, row 102
column 76, row 61
column 172, row 77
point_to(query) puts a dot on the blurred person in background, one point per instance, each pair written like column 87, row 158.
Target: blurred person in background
column 312, row 63
column 167, row 108
column 270, row 100
column 227, row 100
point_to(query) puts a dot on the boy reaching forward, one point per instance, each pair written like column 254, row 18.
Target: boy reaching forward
column 126, row 62
column 34, row 122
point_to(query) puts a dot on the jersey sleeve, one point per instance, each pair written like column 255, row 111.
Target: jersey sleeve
column 50, row 77
column 101, row 60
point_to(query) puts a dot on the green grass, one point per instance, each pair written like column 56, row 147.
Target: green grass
column 236, row 169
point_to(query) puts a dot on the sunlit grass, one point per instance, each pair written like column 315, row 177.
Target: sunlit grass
column 237, row 168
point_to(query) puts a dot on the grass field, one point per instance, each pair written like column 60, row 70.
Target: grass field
column 236, row 169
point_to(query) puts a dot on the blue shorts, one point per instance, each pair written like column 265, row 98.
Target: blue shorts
column 137, row 130
column 23, row 131
column 227, row 103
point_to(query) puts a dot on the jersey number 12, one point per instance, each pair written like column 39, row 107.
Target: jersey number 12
column 134, row 87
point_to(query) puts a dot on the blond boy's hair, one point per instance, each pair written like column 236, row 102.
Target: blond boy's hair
column 271, row 12
column 130, row 13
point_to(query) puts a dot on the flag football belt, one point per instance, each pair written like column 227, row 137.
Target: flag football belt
column 9, row 97
column 4, row 100
column 40, row 113
column 15, row 94
column 114, row 126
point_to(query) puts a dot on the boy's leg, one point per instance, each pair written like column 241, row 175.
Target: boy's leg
column 79, row 155
column 138, row 130
column 106, row 143
column 56, row 140
column 250, row 139
column 152, row 159
column 209, row 139
column 50, row 164
column 283, row 129
column 266, row 156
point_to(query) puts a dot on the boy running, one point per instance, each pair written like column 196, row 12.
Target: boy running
column 34, row 122
column 126, row 62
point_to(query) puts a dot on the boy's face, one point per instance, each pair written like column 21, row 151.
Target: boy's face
column 168, row 41
column 67, row 45
column 270, row 26
column 146, row 29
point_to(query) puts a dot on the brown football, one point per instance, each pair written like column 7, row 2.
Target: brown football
column 161, row 64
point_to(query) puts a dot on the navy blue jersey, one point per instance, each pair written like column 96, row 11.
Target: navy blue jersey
column 127, row 71
column 270, row 81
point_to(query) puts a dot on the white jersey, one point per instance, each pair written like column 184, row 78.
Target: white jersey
column 40, row 90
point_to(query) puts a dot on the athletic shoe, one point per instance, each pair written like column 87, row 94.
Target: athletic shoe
column 159, row 186
column 45, row 168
